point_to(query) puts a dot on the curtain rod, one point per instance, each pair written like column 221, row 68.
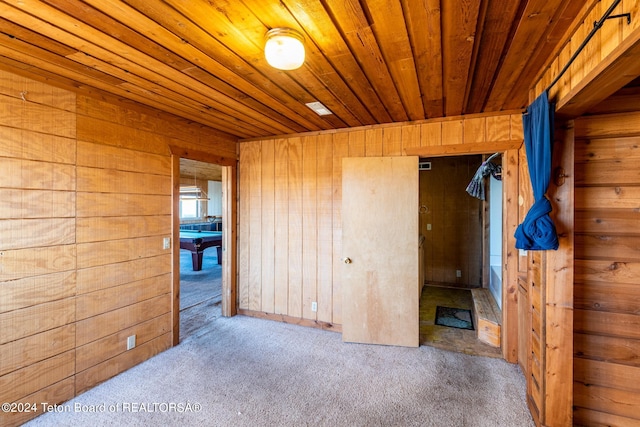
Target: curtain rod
column 596, row 26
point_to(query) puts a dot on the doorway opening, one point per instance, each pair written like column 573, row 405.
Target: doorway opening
column 462, row 250
column 195, row 170
column 200, row 254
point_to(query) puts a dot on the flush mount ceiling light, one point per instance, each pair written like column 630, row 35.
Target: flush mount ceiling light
column 284, row 48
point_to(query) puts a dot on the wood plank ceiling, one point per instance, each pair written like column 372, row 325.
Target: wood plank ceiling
column 368, row 61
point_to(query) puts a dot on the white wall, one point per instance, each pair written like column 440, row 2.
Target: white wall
column 214, row 207
column 495, row 239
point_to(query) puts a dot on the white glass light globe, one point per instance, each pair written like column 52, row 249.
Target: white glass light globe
column 284, row 49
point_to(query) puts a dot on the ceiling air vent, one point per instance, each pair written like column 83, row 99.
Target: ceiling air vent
column 320, row 109
column 424, row 166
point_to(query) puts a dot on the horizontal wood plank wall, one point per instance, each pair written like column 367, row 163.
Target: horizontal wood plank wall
column 86, row 189
column 290, row 227
column 607, row 268
column 37, row 244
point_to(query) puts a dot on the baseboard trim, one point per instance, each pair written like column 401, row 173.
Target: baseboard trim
column 292, row 320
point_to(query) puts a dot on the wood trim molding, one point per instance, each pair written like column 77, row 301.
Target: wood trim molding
column 292, row 320
column 229, row 247
column 463, row 149
column 202, row 156
column 175, row 250
column 611, row 74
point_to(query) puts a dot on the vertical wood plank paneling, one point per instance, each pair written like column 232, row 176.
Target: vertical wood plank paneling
column 310, row 261
column 229, row 240
column 452, row 132
column 510, row 168
column 559, row 297
column 307, row 196
column 524, row 202
column 267, row 224
column 517, row 131
column 255, row 226
column 244, row 232
column 295, row 226
column 632, row 7
column 325, row 255
column 281, row 263
column 411, row 136
column 498, row 128
column 373, row 138
column 392, row 141
column 340, row 150
column 431, row 134
column 591, row 52
column 475, row 130
column 357, row 143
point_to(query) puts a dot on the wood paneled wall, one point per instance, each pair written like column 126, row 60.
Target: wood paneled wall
column 606, row 63
column 86, row 202
column 545, row 302
column 289, row 243
column 454, row 240
column 607, row 264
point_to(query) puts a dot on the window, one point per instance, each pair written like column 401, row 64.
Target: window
column 191, row 202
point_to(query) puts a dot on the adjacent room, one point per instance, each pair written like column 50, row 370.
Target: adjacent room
column 319, row 212
column 200, row 261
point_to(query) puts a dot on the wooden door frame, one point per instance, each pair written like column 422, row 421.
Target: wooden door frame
column 229, row 225
column 510, row 219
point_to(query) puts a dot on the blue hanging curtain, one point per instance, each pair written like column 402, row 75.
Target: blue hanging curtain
column 537, row 231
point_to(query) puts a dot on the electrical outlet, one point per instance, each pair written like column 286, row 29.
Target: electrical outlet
column 131, row 342
column 458, row 273
column 166, row 243
column 314, row 306
column 428, row 227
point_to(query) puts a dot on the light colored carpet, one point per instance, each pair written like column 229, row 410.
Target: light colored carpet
column 251, row 372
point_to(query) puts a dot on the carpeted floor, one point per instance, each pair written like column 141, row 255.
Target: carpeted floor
column 244, row 371
column 252, row 372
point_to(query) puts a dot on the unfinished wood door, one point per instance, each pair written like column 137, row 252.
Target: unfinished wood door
column 380, row 290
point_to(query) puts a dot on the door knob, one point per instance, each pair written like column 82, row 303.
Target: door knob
column 347, row 260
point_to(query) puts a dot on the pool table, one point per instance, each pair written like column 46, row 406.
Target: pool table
column 197, row 242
